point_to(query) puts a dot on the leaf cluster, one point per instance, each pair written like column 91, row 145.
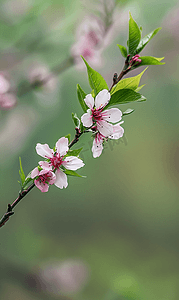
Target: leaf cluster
column 123, row 92
column 126, row 90
column 136, row 44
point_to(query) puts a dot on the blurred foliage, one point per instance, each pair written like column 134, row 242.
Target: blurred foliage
column 122, row 220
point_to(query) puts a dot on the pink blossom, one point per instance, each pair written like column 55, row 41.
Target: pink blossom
column 99, row 139
column 100, row 117
column 43, row 178
column 57, row 162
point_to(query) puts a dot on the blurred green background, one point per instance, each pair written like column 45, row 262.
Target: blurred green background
column 113, row 235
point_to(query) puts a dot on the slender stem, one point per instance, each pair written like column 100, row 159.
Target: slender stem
column 125, row 70
column 76, row 138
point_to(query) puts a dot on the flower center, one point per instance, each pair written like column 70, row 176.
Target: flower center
column 93, row 37
column 56, row 160
column 87, row 53
column 96, row 114
column 44, row 178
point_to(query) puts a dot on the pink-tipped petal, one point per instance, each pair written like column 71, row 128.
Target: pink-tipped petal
column 97, row 148
column 89, row 100
column 52, row 178
column 118, row 132
column 105, row 128
column 44, row 150
column 35, row 173
column 112, row 115
column 45, row 165
column 41, row 186
column 61, row 179
column 73, row 163
column 102, row 98
column 86, row 119
column 62, row 146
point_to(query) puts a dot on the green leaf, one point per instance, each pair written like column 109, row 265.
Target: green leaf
column 139, row 88
column 123, row 50
column 27, row 181
column 68, row 136
column 150, row 60
column 75, row 152
column 124, row 96
column 73, row 173
column 76, row 120
column 128, row 112
column 21, row 172
column 146, row 39
column 81, row 96
column 128, row 83
column 134, row 35
column 96, row 81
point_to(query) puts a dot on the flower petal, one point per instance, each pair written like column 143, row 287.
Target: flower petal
column 112, row 115
column 62, row 146
column 97, row 147
column 86, row 119
column 45, row 165
column 118, row 132
column 35, row 173
column 102, row 98
column 61, row 179
column 52, row 178
column 41, row 186
column 89, row 100
column 105, row 128
column 73, row 163
column 44, row 150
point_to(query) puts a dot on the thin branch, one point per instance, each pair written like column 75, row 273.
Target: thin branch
column 76, row 138
column 126, row 69
column 9, row 211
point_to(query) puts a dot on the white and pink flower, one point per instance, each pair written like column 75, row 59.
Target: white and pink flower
column 43, row 178
column 101, row 119
column 57, row 162
column 99, row 139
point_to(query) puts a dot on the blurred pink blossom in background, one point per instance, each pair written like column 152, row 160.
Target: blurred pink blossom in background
column 7, row 100
column 39, row 73
column 96, row 32
column 67, row 277
column 89, row 36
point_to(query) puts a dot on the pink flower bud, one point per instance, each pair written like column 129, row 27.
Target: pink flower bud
column 135, row 59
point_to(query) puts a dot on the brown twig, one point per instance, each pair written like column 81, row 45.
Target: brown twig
column 9, row 211
column 125, row 70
